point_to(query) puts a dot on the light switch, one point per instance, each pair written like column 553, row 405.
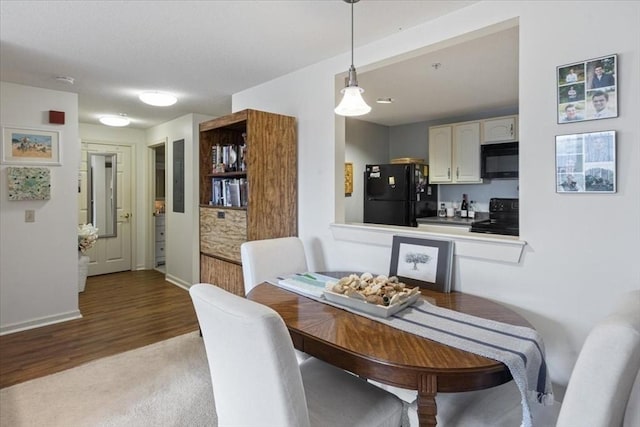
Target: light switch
column 29, row 215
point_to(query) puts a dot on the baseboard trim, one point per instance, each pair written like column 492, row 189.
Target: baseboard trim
column 178, row 282
column 42, row 321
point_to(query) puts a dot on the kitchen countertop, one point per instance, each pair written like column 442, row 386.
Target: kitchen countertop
column 464, row 222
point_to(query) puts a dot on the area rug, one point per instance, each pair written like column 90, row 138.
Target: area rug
column 163, row 384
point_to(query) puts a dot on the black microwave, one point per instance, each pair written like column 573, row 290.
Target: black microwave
column 499, row 161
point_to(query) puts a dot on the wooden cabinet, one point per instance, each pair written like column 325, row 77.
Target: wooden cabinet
column 263, row 156
column 454, row 154
column 500, row 129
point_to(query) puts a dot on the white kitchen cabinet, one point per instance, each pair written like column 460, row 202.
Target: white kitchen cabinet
column 500, row 129
column 160, row 240
column 440, row 145
column 466, row 153
column 454, row 154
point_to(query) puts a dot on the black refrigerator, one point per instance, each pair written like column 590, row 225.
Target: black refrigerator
column 398, row 194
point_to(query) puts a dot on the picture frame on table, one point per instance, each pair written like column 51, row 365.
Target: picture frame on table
column 586, row 162
column 426, row 263
column 587, row 90
column 29, row 146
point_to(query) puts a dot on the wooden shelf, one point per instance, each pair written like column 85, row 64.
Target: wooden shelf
column 227, row 175
column 239, row 208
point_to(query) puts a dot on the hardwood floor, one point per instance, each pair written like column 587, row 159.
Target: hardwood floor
column 121, row 311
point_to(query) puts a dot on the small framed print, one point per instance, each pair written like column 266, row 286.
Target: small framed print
column 348, row 178
column 422, row 262
column 30, row 146
column 586, row 163
column 588, row 90
column 29, row 183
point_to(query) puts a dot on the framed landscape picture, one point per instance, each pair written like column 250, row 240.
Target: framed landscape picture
column 422, row 262
column 588, row 90
column 30, row 146
column 586, row 163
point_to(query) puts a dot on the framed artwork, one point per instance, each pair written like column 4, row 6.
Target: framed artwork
column 586, row 163
column 348, row 179
column 588, row 90
column 30, row 146
column 422, row 262
column 29, row 183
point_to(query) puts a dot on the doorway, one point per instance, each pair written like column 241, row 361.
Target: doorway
column 159, row 192
column 105, row 201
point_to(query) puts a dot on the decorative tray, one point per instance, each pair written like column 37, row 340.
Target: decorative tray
column 369, row 308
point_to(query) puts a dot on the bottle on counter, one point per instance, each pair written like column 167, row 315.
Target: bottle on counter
column 442, row 212
column 464, row 207
column 472, row 210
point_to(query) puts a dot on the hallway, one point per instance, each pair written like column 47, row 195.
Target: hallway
column 121, row 311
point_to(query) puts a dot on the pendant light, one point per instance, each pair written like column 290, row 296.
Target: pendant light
column 352, row 103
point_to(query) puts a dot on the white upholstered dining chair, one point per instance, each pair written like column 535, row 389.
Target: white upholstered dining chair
column 257, row 382
column 603, row 390
column 269, row 258
column 266, row 259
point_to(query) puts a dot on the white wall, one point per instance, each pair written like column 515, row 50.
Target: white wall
column 366, row 143
column 578, row 258
column 39, row 260
column 182, row 229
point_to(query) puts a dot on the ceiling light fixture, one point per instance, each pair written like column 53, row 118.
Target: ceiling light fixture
column 65, row 79
column 352, row 103
column 158, row 99
column 117, row 121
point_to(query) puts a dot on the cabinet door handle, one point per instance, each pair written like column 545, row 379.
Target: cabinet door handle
column 457, row 172
column 511, row 130
column 448, row 173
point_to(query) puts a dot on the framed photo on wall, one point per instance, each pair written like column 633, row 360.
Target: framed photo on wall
column 422, row 262
column 30, row 146
column 588, row 90
column 586, row 163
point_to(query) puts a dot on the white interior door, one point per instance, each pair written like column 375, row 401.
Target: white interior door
column 110, row 254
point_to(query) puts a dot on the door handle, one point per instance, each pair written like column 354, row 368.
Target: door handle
column 449, row 173
column 127, row 215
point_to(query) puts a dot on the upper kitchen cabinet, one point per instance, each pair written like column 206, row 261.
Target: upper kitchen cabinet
column 454, row 154
column 440, row 141
column 500, row 129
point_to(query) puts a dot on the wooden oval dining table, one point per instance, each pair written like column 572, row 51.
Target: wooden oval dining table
column 379, row 352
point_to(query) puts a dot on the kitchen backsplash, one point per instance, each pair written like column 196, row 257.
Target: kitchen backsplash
column 479, row 193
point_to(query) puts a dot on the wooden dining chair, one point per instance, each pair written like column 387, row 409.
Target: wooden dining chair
column 257, row 381
column 603, row 390
column 267, row 259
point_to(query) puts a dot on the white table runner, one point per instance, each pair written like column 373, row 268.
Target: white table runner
column 520, row 348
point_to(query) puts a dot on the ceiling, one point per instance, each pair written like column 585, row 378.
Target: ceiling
column 204, row 51
column 476, row 74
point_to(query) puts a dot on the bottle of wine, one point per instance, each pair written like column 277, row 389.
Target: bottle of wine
column 472, row 209
column 464, row 207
